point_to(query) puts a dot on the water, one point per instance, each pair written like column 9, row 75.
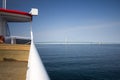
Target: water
column 81, row 61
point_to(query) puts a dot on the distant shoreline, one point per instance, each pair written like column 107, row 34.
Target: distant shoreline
column 76, row 43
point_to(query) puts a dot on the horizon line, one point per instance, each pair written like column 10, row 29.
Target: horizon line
column 77, row 42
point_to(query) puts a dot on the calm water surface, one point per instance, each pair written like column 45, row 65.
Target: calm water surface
column 81, row 61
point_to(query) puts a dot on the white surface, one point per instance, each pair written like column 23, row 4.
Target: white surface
column 36, row 70
column 4, row 4
column 34, row 11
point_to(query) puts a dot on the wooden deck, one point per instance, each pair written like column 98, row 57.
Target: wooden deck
column 14, row 52
column 14, row 47
column 13, row 70
column 13, row 61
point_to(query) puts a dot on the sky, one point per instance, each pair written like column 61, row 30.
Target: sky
column 71, row 20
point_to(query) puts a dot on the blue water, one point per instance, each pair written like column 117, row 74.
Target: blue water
column 81, row 61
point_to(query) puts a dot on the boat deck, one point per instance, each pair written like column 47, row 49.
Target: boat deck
column 13, row 70
column 13, row 61
column 15, row 52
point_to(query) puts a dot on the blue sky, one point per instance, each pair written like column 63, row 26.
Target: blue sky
column 74, row 20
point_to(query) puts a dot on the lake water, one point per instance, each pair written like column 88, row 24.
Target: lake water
column 81, row 61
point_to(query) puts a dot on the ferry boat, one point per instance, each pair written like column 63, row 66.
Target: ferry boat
column 14, row 51
column 10, row 44
column 19, row 59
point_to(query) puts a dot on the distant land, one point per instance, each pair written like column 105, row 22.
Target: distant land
column 77, row 42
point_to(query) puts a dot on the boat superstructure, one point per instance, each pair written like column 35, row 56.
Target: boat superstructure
column 8, row 43
column 19, row 58
column 14, row 51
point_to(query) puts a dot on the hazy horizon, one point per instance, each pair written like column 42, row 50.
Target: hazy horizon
column 71, row 20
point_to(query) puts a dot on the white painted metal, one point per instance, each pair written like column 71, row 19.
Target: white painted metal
column 4, row 4
column 34, row 11
column 36, row 69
